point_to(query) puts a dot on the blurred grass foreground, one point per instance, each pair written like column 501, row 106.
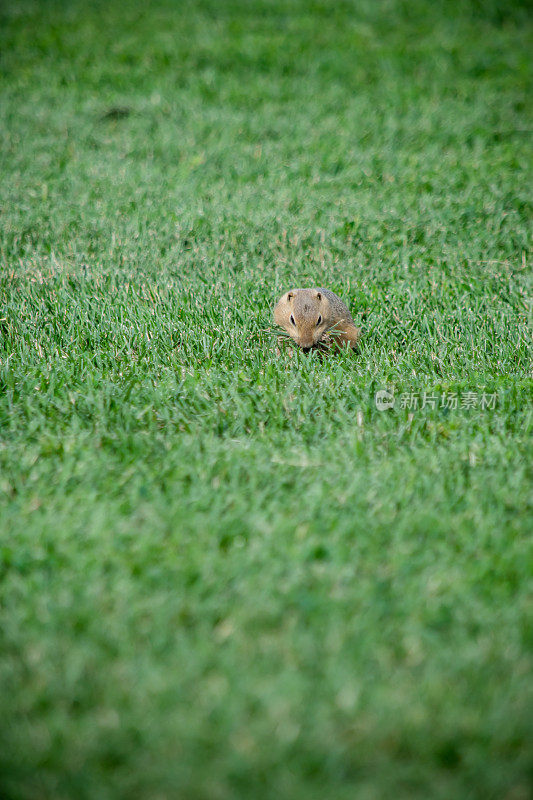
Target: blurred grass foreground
column 227, row 574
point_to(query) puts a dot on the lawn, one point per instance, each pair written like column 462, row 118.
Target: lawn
column 225, row 574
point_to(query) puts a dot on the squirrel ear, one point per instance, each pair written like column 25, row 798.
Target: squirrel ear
column 318, row 296
column 289, row 297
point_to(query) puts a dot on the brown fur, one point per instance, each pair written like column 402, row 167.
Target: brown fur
column 313, row 316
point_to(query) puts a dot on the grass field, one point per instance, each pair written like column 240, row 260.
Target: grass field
column 224, row 573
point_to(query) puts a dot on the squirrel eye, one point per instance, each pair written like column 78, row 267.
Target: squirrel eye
column 319, row 320
column 292, row 319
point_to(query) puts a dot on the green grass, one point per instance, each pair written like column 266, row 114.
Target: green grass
column 224, row 574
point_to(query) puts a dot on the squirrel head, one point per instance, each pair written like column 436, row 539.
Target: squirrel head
column 304, row 314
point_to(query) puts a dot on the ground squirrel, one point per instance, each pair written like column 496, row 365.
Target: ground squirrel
column 315, row 316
